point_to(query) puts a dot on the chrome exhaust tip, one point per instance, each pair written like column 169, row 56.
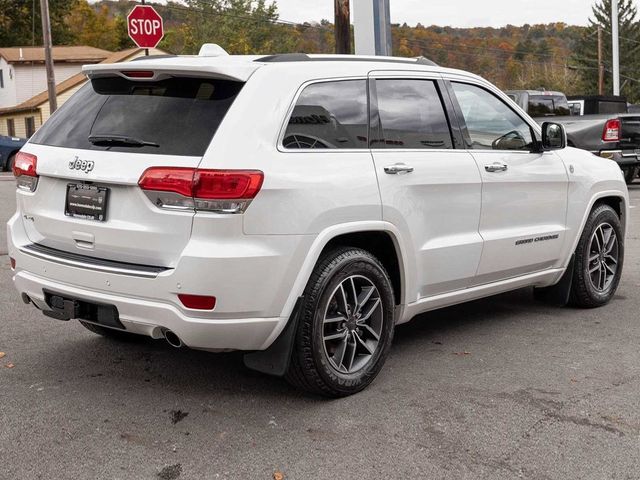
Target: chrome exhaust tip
column 172, row 339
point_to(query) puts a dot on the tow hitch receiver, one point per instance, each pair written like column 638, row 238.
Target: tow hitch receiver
column 65, row 308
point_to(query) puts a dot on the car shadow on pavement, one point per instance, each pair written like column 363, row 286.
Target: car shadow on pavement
column 155, row 366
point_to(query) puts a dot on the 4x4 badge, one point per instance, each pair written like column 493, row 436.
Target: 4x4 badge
column 85, row 165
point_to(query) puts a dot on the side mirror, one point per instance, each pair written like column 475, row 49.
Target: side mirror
column 554, row 136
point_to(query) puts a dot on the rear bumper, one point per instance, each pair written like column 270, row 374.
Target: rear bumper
column 624, row 158
column 150, row 318
column 252, row 279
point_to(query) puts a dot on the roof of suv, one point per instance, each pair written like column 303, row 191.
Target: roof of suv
column 241, row 67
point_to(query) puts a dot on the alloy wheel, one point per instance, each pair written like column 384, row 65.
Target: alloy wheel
column 603, row 257
column 352, row 324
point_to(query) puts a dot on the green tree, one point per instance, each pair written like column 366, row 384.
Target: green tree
column 586, row 51
column 239, row 26
column 21, row 24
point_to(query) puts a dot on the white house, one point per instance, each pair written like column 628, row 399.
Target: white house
column 23, row 73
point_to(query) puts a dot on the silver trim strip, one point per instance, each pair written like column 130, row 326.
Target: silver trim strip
column 88, row 266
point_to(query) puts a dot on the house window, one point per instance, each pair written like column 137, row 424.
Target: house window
column 30, row 126
column 11, row 127
column 1, row 79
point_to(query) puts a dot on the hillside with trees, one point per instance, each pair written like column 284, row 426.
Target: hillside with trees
column 553, row 56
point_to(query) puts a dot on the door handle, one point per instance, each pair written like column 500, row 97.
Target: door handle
column 496, row 167
column 398, row 169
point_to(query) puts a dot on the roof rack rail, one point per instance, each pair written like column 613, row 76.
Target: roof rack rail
column 303, row 57
column 285, row 57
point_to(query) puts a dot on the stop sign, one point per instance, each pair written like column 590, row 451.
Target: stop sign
column 145, row 26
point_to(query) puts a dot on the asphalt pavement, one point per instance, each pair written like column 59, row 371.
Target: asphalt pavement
column 501, row 388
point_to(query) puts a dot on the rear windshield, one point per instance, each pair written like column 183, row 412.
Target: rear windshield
column 541, row 106
column 176, row 116
column 612, row 107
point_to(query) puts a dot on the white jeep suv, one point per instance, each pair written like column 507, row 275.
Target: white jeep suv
column 299, row 207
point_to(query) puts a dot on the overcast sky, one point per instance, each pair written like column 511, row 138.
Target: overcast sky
column 456, row 13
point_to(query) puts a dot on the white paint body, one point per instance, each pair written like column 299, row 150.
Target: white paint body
column 454, row 225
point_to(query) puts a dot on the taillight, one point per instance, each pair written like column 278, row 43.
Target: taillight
column 612, row 130
column 221, row 191
column 198, row 302
column 24, row 169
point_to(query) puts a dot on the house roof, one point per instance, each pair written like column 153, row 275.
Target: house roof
column 33, row 103
column 76, row 54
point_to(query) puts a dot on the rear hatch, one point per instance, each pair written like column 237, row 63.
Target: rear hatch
column 93, row 151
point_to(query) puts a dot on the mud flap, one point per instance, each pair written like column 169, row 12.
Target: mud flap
column 558, row 294
column 275, row 359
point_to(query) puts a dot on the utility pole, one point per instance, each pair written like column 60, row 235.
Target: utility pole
column 146, row 50
column 615, row 41
column 600, row 63
column 48, row 57
column 342, row 26
column 372, row 27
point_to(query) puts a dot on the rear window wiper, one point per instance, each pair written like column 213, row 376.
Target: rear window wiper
column 120, row 140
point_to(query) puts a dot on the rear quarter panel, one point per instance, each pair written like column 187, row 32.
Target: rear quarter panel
column 304, row 191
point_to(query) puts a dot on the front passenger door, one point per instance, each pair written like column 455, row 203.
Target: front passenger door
column 524, row 194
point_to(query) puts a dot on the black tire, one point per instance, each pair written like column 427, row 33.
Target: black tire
column 584, row 291
column 112, row 333
column 312, row 368
column 10, row 161
column 630, row 174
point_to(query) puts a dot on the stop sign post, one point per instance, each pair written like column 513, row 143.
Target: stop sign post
column 145, row 26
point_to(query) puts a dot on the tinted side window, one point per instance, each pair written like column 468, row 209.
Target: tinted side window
column 540, row 107
column 492, row 125
column 412, row 115
column 330, row 115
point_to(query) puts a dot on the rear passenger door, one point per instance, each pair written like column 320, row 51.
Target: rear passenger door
column 430, row 190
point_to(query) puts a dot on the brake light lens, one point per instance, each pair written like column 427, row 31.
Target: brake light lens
column 220, row 191
column 227, row 184
column 25, row 171
column 138, row 73
column 612, row 130
column 198, row 302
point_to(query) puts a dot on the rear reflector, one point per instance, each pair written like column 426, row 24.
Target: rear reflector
column 612, row 129
column 221, row 191
column 25, row 171
column 198, row 302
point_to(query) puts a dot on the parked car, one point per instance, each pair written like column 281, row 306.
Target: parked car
column 299, row 207
column 9, row 147
column 611, row 135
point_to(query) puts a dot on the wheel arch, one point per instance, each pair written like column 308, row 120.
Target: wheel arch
column 615, row 199
column 11, row 154
column 376, row 237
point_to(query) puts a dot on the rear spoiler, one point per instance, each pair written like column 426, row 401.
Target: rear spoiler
column 160, row 68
